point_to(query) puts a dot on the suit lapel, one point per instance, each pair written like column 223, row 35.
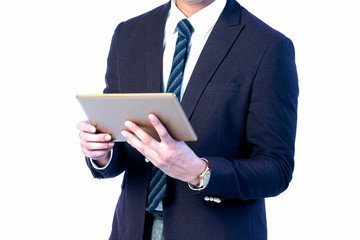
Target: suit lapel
column 154, row 38
column 222, row 37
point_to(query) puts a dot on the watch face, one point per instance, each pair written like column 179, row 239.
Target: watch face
column 206, row 178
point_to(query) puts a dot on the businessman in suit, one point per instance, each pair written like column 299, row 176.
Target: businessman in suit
column 238, row 89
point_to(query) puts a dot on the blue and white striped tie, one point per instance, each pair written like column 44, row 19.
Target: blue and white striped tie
column 157, row 184
column 177, row 70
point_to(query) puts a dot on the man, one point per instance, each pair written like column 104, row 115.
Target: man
column 239, row 91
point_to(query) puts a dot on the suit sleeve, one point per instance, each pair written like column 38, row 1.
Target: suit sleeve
column 116, row 166
column 270, row 132
column 112, row 74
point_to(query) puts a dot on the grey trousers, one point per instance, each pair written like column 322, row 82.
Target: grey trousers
column 158, row 227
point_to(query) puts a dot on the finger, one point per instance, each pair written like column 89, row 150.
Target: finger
column 96, row 145
column 85, row 126
column 160, row 128
column 134, row 141
column 141, row 134
column 95, row 154
column 99, row 137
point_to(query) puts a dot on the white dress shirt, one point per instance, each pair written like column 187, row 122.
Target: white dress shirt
column 203, row 22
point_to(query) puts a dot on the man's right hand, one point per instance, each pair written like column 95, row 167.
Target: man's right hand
column 96, row 146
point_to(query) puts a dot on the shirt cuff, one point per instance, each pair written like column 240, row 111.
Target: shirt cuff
column 95, row 166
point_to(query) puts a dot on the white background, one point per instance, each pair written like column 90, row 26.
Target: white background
column 52, row 50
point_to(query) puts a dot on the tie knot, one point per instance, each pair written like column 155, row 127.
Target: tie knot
column 185, row 29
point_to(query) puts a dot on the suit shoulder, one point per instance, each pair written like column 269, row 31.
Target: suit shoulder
column 261, row 30
column 140, row 20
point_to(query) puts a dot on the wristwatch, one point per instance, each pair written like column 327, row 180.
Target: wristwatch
column 204, row 178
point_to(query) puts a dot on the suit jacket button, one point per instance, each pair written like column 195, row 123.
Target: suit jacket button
column 217, row 200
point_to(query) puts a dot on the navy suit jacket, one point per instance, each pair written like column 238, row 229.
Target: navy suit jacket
column 242, row 103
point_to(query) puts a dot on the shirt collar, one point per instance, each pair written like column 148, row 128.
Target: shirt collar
column 202, row 21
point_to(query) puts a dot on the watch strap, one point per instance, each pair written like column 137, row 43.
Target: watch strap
column 202, row 175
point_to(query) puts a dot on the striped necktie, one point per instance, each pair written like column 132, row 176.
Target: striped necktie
column 157, row 185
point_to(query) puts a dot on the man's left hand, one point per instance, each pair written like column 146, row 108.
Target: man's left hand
column 173, row 157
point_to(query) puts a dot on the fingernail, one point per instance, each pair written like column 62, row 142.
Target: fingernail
column 128, row 124
column 107, row 137
column 92, row 129
column 152, row 116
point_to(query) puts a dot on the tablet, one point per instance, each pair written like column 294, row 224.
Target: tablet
column 108, row 112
